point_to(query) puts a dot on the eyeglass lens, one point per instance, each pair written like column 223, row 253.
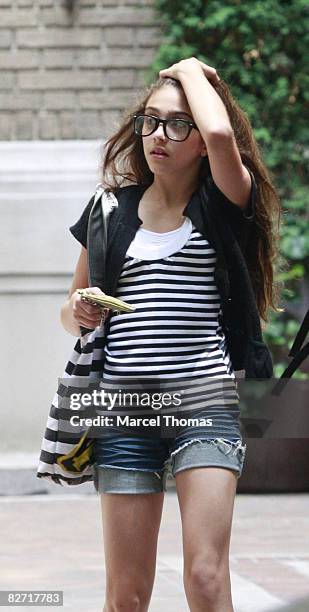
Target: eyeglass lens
column 176, row 129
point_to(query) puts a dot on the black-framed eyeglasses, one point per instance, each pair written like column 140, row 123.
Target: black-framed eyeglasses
column 174, row 129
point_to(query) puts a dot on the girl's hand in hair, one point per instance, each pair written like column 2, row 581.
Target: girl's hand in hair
column 87, row 315
column 185, row 66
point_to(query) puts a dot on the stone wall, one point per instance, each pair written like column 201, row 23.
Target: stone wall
column 44, row 186
column 70, row 73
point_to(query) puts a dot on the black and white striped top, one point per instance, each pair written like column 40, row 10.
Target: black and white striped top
column 174, row 333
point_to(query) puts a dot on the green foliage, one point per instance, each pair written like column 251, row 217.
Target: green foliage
column 259, row 49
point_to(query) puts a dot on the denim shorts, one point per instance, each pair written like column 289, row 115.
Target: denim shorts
column 128, row 464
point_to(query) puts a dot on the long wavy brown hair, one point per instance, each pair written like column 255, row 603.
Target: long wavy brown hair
column 124, row 162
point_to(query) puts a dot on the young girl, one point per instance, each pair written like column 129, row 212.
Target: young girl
column 185, row 132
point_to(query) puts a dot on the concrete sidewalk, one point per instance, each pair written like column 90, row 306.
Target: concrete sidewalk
column 54, row 542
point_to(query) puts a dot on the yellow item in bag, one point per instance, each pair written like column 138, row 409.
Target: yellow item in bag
column 80, row 455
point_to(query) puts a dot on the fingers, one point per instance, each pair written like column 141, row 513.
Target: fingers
column 88, row 324
column 89, row 310
column 95, row 290
column 85, row 314
column 211, row 72
column 188, row 64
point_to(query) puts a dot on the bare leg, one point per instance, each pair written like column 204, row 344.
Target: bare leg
column 206, row 498
column 130, row 531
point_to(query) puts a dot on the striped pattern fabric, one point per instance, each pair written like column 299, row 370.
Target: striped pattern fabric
column 86, row 360
column 174, row 338
column 174, row 333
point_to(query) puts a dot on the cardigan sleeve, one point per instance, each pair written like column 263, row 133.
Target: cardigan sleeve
column 229, row 208
column 79, row 229
column 241, row 221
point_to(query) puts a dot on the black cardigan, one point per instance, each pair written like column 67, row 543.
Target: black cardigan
column 227, row 228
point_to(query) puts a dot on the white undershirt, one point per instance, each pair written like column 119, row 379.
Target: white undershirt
column 155, row 245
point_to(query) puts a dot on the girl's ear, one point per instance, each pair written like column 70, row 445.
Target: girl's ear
column 203, row 150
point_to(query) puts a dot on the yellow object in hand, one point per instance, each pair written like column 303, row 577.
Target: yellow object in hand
column 106, row 301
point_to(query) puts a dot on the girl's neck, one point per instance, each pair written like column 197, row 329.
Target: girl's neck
column 167, row 195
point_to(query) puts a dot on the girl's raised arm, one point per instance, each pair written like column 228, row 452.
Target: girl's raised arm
column 212, row 120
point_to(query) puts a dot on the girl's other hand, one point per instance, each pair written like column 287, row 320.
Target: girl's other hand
column 189, row 66
column 87, row 315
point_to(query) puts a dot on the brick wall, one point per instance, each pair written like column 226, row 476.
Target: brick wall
column 70, row 74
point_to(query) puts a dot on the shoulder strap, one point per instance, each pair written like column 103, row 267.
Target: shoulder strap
column 299, row 354
column 103, row 205
column 300, row 336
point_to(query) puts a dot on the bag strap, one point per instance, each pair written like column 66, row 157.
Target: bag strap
column 103, row 205
column 299, row 354
column 300, row 336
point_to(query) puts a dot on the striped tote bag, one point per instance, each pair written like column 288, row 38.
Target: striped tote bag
column 87, row 360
